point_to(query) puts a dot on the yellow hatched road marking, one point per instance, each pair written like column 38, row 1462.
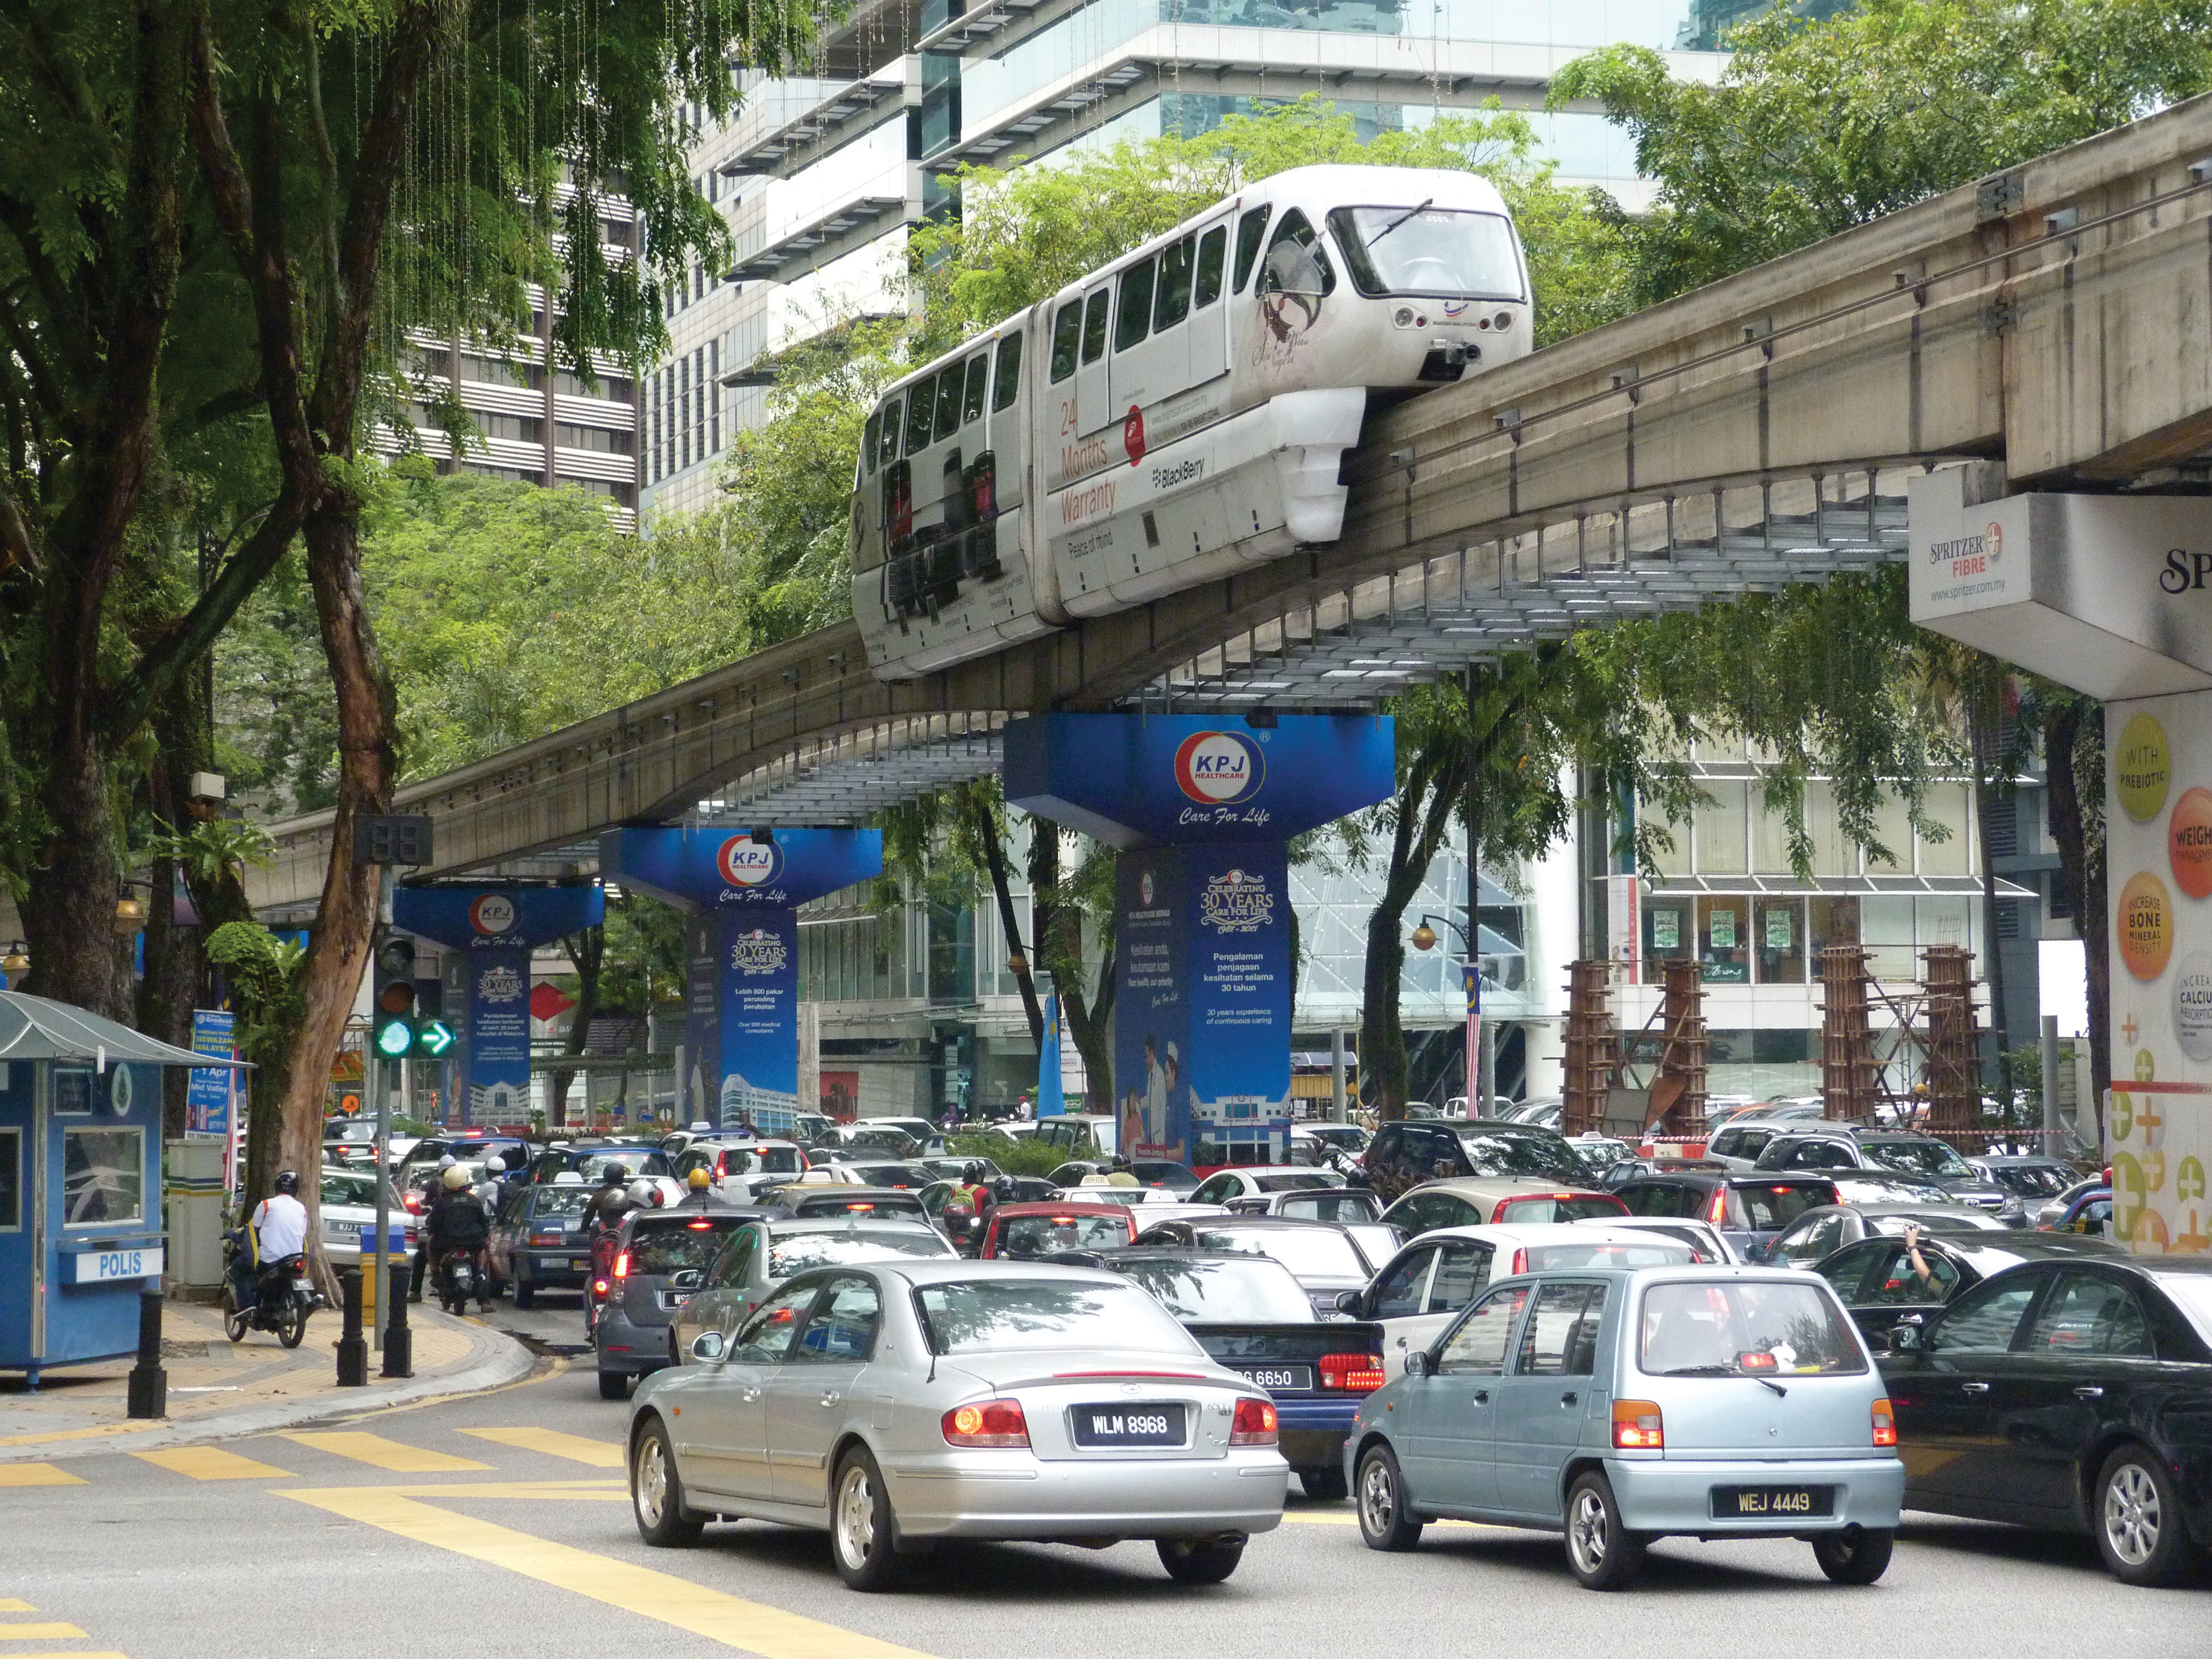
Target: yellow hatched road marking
column 750, row 1626
column 576, row 1448
column 8, row 1605
column 36, row 1475
column 41, row 1633
column 209, row 1463
column 71, row 1653
column 379, row 1453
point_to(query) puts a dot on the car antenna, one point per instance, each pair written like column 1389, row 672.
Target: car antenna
column 1397, row 221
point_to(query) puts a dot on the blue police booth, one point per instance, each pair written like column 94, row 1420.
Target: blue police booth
column 80, row 1182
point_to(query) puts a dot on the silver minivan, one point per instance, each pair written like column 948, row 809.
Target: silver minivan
column 1621, row 1406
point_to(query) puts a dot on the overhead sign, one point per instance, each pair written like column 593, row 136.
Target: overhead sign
column 497, row 918
column 710, row 868
column 1142, row 780
column 2109, row 594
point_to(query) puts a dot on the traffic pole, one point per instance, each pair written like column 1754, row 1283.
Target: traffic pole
column 398, row 1340
column 353, row 1352
column 149, row 1388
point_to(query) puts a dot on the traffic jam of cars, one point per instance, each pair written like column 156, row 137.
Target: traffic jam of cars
column 1801, row 1334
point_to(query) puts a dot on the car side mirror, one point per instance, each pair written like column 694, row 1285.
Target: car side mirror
column 686, row 1280
column 1904, row 1336
column 1417, row 1363
column 707, row 1346
column 1347, row 1302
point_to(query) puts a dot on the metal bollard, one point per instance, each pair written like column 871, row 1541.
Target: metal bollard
column 149, row 1391
column 398, row 1340
column 353, row 1352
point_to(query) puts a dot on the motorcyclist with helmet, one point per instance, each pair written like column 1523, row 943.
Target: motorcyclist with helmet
column 279, row 1224
column 459, row 1226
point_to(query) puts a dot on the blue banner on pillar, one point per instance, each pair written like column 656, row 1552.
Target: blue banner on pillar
column 1131, row 780
column 495, row 928
column 1051, row 1100
column 1202, row 1019
column 741, row 1030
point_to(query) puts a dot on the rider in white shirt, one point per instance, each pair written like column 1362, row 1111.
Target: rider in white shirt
column 280, row 1222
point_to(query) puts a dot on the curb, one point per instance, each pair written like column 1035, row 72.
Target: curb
column 495, row 1360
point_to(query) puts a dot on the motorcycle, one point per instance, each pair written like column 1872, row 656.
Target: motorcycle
column 279, row 1300
column 459, row 1280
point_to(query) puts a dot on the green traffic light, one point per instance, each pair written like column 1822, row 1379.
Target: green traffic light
column 394, row 1038
column 434, row 1038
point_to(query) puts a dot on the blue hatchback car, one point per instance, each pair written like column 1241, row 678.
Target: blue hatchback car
column 1619, row 1406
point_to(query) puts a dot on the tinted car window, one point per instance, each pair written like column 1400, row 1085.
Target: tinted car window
column 729, row 1266
column 1495, row 1153
column 844, row 1325
column 995, row 1315
column 2032, row 1180
column 1811, row 1239
column 1847, row 1269
column 1293, row 1183
column 2089, row 1314
column 1399, row 1295
column 1526, row 1211
column 1662, row 1198
column 680, row 1247
column 1035, row 1234
column 1763, row 1208
column 559, row 1201
column 1917, row 1158
column 1332, row 1206
column 1894, row 1279
column 766, row 1337
column 1819, row 1155
column 1478, row 1346
column 1463, row 1269
column 1984, row 1319
column 1561, row 1340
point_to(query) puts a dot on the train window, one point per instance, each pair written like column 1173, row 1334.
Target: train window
column 1296, row 263
column 870, row 435
column 920, row 408
column 948, row 403
column 979, row 375
column 1065, row 328
column 1211, row 248
column 1172, row 304
column 1132, row 311
column 894, row 411
column 1428, row 251
column 1008, row 385
column 1249, row 229
column 1094, row 327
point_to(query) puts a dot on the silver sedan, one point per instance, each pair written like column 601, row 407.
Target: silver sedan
column 895, row 1403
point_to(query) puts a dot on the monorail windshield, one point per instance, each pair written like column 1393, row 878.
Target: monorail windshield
column 1441, row 252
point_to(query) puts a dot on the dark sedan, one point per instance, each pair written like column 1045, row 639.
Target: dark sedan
column 1886, row 1151
column 1749, row 1210
column 1250, row 1314
column 1878, row 1283
column 537, row 1239
column 2075, row 1396
column 1818, row 1234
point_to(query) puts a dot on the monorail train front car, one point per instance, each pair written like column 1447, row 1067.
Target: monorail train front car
column 1177, row 416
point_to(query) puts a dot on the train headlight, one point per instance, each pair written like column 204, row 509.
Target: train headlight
column 1404, row 318
column 1504, row 320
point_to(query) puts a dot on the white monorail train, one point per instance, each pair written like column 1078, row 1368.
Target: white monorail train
column 1177, row 415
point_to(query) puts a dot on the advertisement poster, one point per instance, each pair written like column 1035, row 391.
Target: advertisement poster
column 841, row 1095
column 208, row 1088
column 2158, row 828
column 757, row 1010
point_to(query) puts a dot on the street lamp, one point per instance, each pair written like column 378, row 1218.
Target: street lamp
column 130, row 914
column 17, row 961
column 1425, row 939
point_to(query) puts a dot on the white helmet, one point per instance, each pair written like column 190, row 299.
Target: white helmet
column 447, row 1161
column 495, row 1165
column 455, row 1178
column 645, row 1192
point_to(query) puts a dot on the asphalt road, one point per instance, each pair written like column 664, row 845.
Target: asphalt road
column 497, row 1524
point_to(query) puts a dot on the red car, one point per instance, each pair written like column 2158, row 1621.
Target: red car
column 1020, row 1231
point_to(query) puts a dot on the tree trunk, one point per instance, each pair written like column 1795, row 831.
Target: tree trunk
column 68, row 915
column 994, row 859
column 1059, row 947
column 1425, row 805
column 588, row 950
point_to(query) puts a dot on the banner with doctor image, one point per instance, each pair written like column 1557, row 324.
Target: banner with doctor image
column 2158, row 830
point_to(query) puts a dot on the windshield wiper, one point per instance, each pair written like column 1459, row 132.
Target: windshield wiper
column 1728, row 1370
column 1385, row 231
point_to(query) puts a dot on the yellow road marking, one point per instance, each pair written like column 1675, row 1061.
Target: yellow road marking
column 599, row 1454
column 379, row 1453
column 71, row 1653
column 36, row 1475
column 751, row 1626
column 9, row 1605
column 209, row 1463
column 41, row 1633
column 555, row 1367
column 72, row 1434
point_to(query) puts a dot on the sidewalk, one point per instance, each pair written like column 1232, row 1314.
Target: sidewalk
column 218, row 1389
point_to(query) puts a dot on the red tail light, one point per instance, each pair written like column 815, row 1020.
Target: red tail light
column 600, row 1287
column 1520, row 1261
column 1254, row 1424
column 988, row 1423
column 549, row 1238
column 1885, row 1424
column 699, row 1226
column 413, row 1201
column 1356, row 1373
column 1716, row 1211
column 622, row 1264
column 1637, row 1426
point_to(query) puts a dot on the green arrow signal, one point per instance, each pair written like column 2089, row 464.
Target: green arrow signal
column 434, row 1037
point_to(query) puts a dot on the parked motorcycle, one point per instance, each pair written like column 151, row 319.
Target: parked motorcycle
column 278, row 1299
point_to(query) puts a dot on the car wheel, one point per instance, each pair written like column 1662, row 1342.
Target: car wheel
column 860, row 1525
column 2140, row 1530
column 1855, row 1555
column 525, row 1293
column 1324, row 1486
column 1602, row 1554
column 1386, row 1519
column 656, row 1491
column 1189, row 1561
column 614, row 1385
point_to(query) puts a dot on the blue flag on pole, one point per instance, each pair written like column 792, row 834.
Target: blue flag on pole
column 1049, row 1101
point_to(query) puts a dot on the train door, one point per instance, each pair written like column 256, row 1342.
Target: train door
column 1094, row 406
column 1208, row 327
column 1146, row 343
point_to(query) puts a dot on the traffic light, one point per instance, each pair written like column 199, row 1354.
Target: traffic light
column 433, row 1038
column 394, row 1004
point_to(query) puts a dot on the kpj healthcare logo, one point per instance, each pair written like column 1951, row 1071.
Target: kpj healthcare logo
column 1219, row 769
column 758, row 951
column 745, row 862
column 1145, row 889
column 493, row 914
column 1240, row 902
column 500, row 984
